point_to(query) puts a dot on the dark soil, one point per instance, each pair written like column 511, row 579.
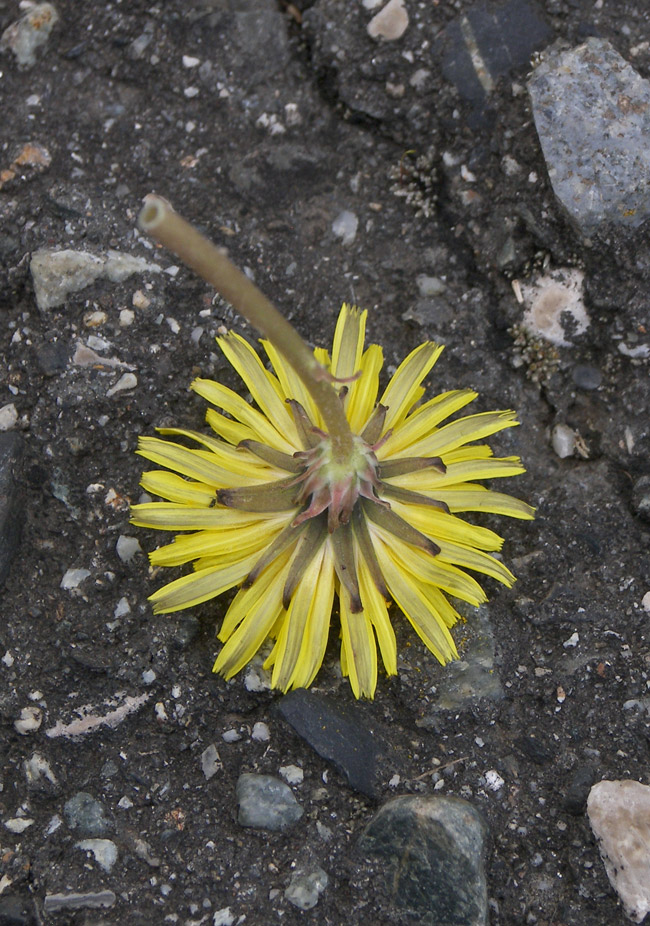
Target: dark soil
column 118, row 124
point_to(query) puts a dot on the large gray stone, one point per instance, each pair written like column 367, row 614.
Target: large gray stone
column 433, row 851
column 266, row 803
column 592, row 113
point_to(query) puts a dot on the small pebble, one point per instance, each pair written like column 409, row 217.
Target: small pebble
column 104, row 851
column 29, row 721
column 430, row 286
column 493, row 781
column 563, row 440
column 18, row 824
column 292, row 774
column 573, row 640
column 127, row 548
column 126, row 381
column 8, row 417
column 305, row 887
column 231, row 736
column 29, row 32
column 148, row 677
column 390, row 23
column 586, row 377
column 73, row 578
column 345, row 226
column 127, row 317
column 645, row 602
column 210, row 761
column 223, row 917
column 261, row 733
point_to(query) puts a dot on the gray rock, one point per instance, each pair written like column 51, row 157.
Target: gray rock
column 11, row 504
column 210, row 761
column 86, row 816
column 432, row 852
column 57, row 273
column 266, row 803
column 16, row 911
column 306, row 886
column 29, row 32
column 92, row 900
column 473, row 675
column 592, row 113
column 619, row 814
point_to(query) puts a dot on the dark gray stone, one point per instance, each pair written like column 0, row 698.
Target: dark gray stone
column 488, row 42
column 16, row 911
column 11, row 503
column 266, row 803
column 340, row 736
column 86, row 816
column 592, row 113
column 432, row 852
column 586, row 377
column 575, row 799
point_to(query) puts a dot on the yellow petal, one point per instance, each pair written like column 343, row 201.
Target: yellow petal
column 168, row 516
column 292, row 385
column 200, row 586
column 229, row 545
column 362, row 397
column 437, row 524
column 348, row 341
column 176, row 489
column 404, row 388
column 423, row 421
column 263, row 386
column 250, row 618
column 192, row 463
column 358, row 649
column 461, row 431
column 263, row 429
column 375, row 607
column 407, row 592
column 241, row 461
column 302, row 640
column 470, row 497
column 468, row 558
column 430, row 481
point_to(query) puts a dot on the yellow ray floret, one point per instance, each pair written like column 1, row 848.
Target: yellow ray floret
column 264, row 508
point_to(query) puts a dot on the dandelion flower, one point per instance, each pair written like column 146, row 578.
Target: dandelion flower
column 271, row 507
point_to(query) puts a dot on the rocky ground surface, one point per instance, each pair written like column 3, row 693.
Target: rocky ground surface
column 397, row 167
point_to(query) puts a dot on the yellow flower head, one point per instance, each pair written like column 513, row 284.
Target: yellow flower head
column 270, row 510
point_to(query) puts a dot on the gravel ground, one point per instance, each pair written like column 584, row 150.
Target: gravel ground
column 334, row 167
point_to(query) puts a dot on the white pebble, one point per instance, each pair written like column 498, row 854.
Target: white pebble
column 18, row 824
column 190, row 92
column 127, row 547
column 139, row 300
column 292, row 774
column 573, row 640
column 190, row 62
column 127, row 317
column 390, row 23
column 345, row 226
column 261, row 732
column 173, row 324
column 493, row 781
column 8, row 417
column 8, row 659
column 645, row 601
column 148, row 677
column 122, row 608
column 223, row 917
column 230, row 736
column 29, row 721
column 563, row 440
column 125, row 803
column 73, row 578
column 126, row 381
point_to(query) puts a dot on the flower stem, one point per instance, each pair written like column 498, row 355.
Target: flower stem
column 159, row 220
